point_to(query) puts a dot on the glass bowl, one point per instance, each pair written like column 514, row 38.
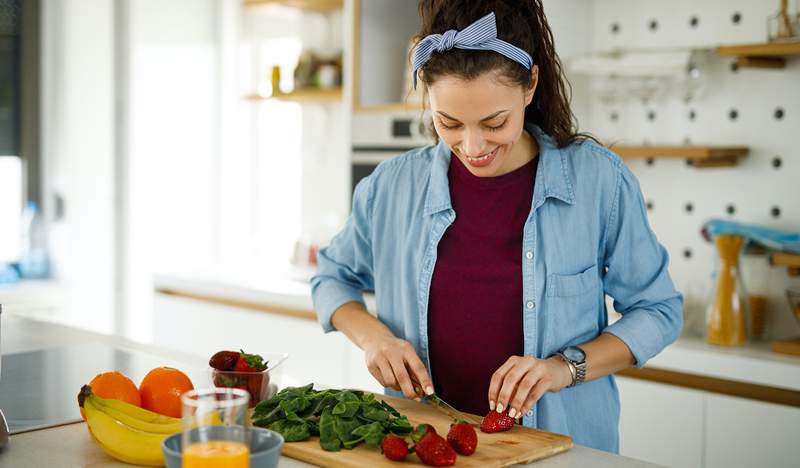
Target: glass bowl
column 261, row 385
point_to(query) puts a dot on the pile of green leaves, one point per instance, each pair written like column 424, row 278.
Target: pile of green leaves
column 341, row 418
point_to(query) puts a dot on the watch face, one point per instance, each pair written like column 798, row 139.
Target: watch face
column 575, row 354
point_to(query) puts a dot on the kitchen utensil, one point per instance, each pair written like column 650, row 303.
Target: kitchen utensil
column 439, row 404
column 265, row 449
column 518, row 445
column 204, row 441
column 447, row 409
column 726, row 322
column 780, row 26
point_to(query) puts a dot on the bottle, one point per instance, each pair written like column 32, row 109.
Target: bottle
column 727, row 316
column 34, row 262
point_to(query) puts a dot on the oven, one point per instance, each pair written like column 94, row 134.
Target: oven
column 379, row 136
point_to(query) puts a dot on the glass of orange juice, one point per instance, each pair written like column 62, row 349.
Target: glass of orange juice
column 215, row 428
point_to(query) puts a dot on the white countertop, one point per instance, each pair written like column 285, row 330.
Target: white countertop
column 69, row 446
column 754, row 363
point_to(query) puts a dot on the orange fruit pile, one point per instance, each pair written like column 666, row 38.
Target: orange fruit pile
column 160, row 390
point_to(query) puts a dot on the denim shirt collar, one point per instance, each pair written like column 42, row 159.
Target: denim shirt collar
column 552, row 178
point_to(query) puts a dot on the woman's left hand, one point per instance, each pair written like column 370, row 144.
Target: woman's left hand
column 522, row 380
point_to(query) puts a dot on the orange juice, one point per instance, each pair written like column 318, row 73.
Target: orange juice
column 217, row 454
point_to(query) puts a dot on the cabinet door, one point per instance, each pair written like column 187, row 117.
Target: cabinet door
column 203, row 328
column 661, row 423
column 746, row 433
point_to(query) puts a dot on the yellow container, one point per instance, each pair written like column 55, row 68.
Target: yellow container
column 726, row 317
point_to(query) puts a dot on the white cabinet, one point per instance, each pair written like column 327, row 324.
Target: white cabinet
column 746, row 433
column 681, row 427
column 204, row 328
column 661, row 423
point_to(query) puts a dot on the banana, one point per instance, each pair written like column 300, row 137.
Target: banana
column 139, row 420
column 129, row 409
column 122, row 441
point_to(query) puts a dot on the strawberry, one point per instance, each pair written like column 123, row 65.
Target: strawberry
column 462, row 438
column 394, row 448
column 224, row 360
column 250, row 363
column 497, row 422
column 433, row 450
column 420, row 431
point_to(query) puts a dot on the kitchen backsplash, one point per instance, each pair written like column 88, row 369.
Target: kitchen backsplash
column 730, row 106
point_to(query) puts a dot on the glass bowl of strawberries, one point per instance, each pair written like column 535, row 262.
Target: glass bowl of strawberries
column 257, row 374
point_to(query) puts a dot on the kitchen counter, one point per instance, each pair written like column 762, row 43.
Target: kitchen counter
column 753, row 364
column 69, row 445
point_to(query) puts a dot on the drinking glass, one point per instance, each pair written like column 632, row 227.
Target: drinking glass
column 215, row 428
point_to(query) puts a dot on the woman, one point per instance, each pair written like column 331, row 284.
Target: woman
column 491, row 252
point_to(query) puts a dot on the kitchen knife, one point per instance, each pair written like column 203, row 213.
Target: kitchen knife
column 447, row 409
column 441, row 405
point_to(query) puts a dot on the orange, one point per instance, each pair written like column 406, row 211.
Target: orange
column 161, row 390
column 116, row 386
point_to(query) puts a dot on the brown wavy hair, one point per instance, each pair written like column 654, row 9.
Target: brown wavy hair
column 521, row 23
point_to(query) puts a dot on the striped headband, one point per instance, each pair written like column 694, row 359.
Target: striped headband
column 480, row 35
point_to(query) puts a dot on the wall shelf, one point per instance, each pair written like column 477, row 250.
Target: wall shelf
column 766, row 55
column 302, row 95
column 696, row 156
column 789, row 260
column 314, row 5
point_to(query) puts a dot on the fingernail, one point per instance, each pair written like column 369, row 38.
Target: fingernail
column 429, row 390
column 512, row 412
column 499, row 407
column 491, row 405
column 417, row 399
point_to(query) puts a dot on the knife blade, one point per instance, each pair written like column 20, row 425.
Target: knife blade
column 446, row 408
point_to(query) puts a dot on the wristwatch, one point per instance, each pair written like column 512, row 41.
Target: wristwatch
column 576, row 359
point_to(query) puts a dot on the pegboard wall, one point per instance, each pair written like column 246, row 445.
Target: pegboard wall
column 758, row 108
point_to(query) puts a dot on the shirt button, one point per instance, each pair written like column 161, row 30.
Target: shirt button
column 530, row 304
column 529, row 255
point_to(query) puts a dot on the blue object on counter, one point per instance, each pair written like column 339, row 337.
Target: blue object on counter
column 265, row 447
column 8, row 274
column 34, row 262
column 769, row 238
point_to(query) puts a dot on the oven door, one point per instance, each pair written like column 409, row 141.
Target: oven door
column 365, row 160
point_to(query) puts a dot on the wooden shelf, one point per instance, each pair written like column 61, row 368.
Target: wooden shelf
column 302, row 95
column 789, row 260
column 314, row 5
column 766, row 55
column 697, row 156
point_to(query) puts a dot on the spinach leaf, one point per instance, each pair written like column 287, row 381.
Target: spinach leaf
column 328, row 439
column 292, row 431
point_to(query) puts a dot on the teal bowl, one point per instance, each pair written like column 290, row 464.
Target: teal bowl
column 265, row 448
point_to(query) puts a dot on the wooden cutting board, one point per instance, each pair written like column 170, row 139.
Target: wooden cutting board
column 519, row 445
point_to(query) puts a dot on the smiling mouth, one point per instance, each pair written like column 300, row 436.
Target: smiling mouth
column 484, row 157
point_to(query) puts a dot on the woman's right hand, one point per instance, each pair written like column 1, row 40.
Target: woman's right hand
column 395, row 364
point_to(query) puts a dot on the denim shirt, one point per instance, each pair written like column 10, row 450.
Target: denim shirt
column 586, row 236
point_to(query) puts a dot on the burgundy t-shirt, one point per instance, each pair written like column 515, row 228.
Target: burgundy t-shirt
column 475, row 308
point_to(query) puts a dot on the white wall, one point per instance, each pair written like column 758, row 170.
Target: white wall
column 77, row 146
column 173, row 111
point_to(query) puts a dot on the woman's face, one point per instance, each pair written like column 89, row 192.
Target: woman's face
column 481, row 120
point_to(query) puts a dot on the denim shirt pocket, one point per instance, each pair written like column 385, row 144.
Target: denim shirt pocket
column 573, row 285
column 573, row 307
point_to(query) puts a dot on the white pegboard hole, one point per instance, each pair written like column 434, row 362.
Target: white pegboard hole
column 730, row 210
column 777, row 162
column 694, row 21
column 775, row 212
column 779, row 113
column 652, row 25
column 736, row 18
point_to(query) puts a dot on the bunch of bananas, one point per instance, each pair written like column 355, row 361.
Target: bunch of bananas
column 127, row 432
